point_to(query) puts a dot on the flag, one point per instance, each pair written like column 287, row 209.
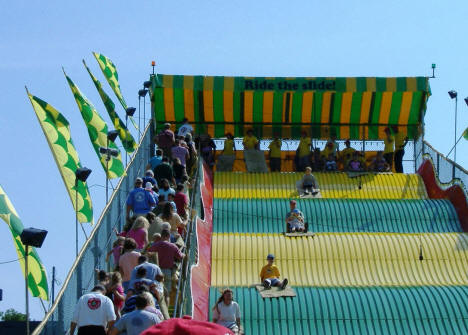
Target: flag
column 37, row 277
column 110, row 72
column 57, row 132
column 97, row 130
column 465, row 134
column 127, row 139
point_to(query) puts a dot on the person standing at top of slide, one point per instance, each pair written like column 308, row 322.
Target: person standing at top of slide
column 185, row 128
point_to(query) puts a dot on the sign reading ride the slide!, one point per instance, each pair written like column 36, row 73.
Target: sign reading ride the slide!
column 296, row 84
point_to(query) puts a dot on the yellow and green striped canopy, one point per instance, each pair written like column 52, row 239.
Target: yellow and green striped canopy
column 356, row 108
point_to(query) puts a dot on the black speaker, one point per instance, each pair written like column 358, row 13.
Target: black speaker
column 33, row 237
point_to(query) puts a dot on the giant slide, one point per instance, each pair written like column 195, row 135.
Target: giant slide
column 385, row 258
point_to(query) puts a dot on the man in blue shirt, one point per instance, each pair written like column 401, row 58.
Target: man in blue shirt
column 139, row 201
column 155, row 160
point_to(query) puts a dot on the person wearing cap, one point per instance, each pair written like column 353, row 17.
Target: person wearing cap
column 295, row 219
column 166, row 139
column 139, row 201
column 94, row 313
column 150, row 189
column 270, row 275
column 226, row 312
column 136, row 322
column 389, row 142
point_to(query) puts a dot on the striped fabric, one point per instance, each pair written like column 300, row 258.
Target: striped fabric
column 356, row 108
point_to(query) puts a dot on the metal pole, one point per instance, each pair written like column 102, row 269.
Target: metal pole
column 139, row 118
column 455, row 132
column 53, row 284
column 26, row 288
column 76, row 217
column 126, row 153
column 107, row 170
column 144, row 111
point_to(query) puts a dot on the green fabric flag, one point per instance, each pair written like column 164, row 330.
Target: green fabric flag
column 465, row 134
column 110, row 72
column 57, row 132
column 37, row 277
column 97, row 130
column 127, row 139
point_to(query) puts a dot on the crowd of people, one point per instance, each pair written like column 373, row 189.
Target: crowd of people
column 330, row 158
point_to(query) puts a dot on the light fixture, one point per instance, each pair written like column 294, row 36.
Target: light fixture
column 82, row 174
column 112, row 135
column 147, row 84
column 466, row 100
column 30, row 237
column 130, row 111
column 142, row 92
column 453, row 94
column 108, row 151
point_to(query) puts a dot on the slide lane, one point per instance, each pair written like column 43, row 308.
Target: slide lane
column 332, row 185
column 343, row 259
column 337, row 215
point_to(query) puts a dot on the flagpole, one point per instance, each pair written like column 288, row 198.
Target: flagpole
column 455, row 147
column 455, row 132
column 126, row 153
column 26, row 287
column 76, row 217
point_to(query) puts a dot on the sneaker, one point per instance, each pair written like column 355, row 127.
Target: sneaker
column 285, row 282
column 266, row 285
column 306, row 192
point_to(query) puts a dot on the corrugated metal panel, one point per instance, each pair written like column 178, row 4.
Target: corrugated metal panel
column 337, row 215
column 332, row 185
column 343, row 259
column 374, row 310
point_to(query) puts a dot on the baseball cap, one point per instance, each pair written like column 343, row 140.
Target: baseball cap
column 271, row 256
column 186, row 326
column 139, row 180
column 148, row 186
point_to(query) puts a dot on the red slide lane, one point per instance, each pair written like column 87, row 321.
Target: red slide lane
column 201, row 273
column 453, row 193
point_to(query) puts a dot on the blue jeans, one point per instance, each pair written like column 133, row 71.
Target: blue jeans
column 273, row 281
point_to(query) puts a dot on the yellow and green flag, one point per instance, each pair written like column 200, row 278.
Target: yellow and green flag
column 110, row 72
column 57, row 132
column 97, row 130
column 125, row 136
column 465, row 134
column 37, row 277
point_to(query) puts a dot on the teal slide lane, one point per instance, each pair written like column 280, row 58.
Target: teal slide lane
column 337, row 215
column 338, row 310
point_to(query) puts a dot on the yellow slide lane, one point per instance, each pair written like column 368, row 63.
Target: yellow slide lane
column 343, row 259
column 332, row 185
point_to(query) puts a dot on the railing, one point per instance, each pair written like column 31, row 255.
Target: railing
column 447, row 170
column 82, row 277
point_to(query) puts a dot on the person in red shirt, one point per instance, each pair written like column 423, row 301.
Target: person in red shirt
column 168, row 253
column 182, row 201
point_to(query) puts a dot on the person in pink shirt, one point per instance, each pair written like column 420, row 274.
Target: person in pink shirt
column 128, row 261
column 182, row 201
column 168, row 253
column 117, row 291
column 116, row 251
column 178, row 151
column 139, row 232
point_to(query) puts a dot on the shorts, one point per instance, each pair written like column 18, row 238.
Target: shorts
column 296, row 224
column 273, row 281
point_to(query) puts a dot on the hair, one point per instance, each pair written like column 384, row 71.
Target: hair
column 188, row 137
column 170, row 195
column 118, row 240
column 158, row 235
column 177, row 142
column 164, row 180
column 130, row 244
column 141, row 301
column 176, row 161
column 159, row 152
column 229, row 135
column 185, row 119
column 161, row 198
column 116, row 278
column 149, row 298
column 140, row 222
column 142, row 259
column 150, row 216
column 308, row 168
column 165, row 159
column 143, row 288
column 141, row 272
column 165, row 233
column 149, row 173
column 221, row 298
column 167, row 211
column 99, row 288
column 102, row 275
column 167, row 126
column 180, row 187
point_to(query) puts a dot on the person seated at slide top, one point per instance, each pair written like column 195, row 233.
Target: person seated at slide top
column 295, row 219
column 309, row 183
column 270, row 275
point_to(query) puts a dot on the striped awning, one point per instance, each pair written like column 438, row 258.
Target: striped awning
column 356, row 108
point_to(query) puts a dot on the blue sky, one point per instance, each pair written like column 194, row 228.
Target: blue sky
column 255, row 38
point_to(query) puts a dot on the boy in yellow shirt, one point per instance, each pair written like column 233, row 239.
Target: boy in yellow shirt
column 250, row 141
column 270, row 275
